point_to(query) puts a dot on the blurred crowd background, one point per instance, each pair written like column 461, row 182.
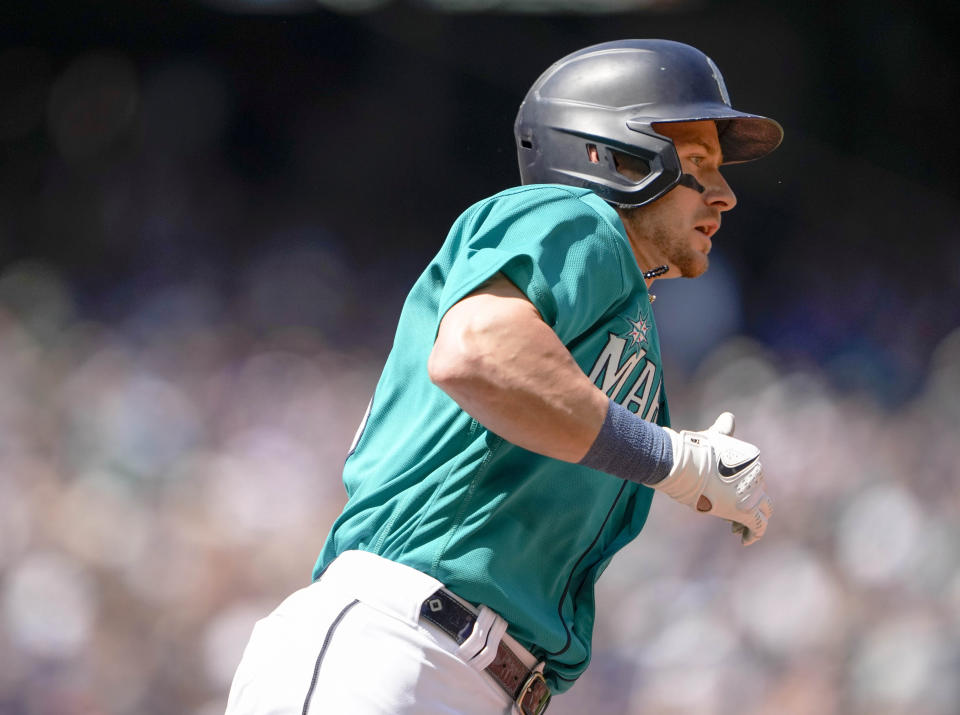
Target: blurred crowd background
column 210, row 214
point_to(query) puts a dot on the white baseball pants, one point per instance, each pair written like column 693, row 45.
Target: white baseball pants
column 351, row 643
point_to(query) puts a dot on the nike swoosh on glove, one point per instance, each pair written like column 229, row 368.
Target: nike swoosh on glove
column 715, row 473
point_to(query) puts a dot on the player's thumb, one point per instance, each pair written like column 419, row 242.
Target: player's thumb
column 724, row 424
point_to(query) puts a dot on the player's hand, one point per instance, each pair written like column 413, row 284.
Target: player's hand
column 717, row 474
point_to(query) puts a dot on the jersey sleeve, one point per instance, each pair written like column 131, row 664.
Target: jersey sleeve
column 564, row 255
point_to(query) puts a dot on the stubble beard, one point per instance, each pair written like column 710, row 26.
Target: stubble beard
column 671, row 243
column 678, row 252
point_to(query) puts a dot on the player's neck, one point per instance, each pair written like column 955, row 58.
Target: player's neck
column 648, row 258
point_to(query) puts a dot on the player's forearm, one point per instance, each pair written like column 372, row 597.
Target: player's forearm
column 504, row 366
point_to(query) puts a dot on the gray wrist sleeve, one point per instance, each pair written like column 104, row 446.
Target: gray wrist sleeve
column 630, row 448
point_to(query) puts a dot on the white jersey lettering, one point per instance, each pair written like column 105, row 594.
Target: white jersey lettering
column 613, row 373
column 643, row 383
column 616, row 376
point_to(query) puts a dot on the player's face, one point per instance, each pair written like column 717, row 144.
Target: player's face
column 677, row 228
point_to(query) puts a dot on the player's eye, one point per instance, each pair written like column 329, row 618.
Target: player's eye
column 696, row 160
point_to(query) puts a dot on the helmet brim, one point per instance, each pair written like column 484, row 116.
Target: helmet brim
column 743, row 137
column 748, row 137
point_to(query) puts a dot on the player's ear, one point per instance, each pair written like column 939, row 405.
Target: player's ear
column 632, row 167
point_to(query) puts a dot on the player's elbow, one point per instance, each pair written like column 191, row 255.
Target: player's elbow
column 449, row 366
column 459, row 358
column 475, row 344
column 440, row 367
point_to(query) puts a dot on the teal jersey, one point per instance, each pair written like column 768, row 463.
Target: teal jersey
column 430, row 487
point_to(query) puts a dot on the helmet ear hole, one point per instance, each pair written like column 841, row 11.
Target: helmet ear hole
column 593, row 154
column 632, row 167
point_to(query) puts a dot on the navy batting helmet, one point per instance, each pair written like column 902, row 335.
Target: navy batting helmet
column 607, row 98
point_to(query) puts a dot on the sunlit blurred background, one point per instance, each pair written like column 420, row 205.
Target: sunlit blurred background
column 210, row 213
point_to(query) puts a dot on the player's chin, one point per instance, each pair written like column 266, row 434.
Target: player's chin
column 694, row 261
column 694, row 265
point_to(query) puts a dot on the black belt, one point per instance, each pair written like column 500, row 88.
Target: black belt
column 527, row 688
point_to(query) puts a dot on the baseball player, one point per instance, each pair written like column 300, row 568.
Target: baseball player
column 520, row 427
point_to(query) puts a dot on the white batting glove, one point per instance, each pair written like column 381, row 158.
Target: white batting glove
column 717, row 474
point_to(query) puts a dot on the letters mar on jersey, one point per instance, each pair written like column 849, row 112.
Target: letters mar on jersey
column 623, row 371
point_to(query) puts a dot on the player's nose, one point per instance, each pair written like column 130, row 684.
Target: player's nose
column 718, row 193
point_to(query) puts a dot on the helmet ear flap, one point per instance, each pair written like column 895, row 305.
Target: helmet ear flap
column 623, row 164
